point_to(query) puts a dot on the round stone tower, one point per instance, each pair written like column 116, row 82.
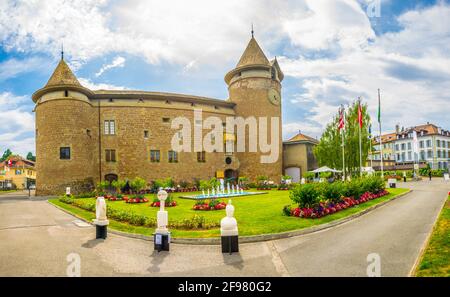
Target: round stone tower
column 255, row 86
column 66, row 134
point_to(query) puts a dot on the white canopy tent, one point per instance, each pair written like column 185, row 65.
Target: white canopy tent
column 326, row 169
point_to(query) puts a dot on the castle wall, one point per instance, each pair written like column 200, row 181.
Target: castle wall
column 64, row 123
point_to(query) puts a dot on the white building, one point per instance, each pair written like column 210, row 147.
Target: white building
column 433, row 146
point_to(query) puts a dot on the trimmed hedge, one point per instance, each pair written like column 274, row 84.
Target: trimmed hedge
column 195, row 222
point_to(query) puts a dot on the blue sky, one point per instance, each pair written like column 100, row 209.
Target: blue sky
column 331, row 52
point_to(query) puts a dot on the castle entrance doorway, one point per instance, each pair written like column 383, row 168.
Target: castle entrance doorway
column 110, row 178
column 231, row 175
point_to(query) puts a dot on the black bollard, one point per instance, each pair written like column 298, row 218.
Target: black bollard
column 161, row 242
column 230, row 244
column 101, row 232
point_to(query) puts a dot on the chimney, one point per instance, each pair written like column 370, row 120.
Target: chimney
column 397, row 128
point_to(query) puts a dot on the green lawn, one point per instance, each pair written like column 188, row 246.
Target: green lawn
column 7, row 191
column 436, row 259
column 261, row 214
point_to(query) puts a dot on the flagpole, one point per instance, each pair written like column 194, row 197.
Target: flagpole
column 343, row 153
column 381, row 141
column 360, row 145
column 342, row 130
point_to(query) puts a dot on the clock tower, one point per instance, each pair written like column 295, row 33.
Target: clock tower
column 255, row 86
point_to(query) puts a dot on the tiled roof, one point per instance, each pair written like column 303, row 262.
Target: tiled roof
column 18, row 162
column 385, row 138
column 253, row 55
column 302, row 137
column 427, row 129
column 62, row 76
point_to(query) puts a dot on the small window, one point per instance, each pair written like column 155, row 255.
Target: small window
column 110, row 155
column 166, row 120
column 111, row 100
column 173, row 157
column 201, row 157
column 110, row 127
column 154, row 156
column 66, row 93
column 146, row 134
column 64, row 153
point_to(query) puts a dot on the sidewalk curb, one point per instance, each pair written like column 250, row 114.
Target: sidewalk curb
column 413, row 271
column 253, row 238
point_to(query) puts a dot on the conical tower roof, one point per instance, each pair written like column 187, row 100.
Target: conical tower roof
column 253, row 55
column 62, row 76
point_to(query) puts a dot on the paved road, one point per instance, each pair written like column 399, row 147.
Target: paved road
column 35, row 239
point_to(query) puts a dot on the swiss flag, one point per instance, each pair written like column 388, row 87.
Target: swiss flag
column 9, row 163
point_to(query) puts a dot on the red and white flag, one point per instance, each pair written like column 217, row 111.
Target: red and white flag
column 9, row 163
column 360, row 116
column 341, row 125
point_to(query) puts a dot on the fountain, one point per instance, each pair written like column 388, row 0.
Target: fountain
column 220, row 192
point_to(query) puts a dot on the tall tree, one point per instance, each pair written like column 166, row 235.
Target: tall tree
column 5, row 155
column 31, row 157
column 329, row 151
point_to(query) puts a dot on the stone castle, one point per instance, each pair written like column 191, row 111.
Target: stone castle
column 85, row 136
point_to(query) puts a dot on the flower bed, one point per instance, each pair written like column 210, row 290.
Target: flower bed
column 166, row 204
column 209, row 205
column 325, row 209
column 135, row 200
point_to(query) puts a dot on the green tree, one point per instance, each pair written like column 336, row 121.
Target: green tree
column 31, row 157
column 6, row 155
column 329, row 151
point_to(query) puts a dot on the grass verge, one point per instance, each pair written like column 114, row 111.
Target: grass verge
column 436, row 258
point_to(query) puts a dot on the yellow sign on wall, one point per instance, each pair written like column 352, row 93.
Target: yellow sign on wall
column 220, row 174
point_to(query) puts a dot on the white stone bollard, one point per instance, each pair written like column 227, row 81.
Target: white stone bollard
column 101, row 221
column 229, row 231
column 162, row 235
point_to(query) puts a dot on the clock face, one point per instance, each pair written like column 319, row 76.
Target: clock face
column 274, row 97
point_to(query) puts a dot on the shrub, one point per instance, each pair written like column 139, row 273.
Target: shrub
column 138, row 184
column 118, row 185
column 333, row 191
column 66, row 199
column 353, row 189
column 373, row 184
column 306, row 195
column 209, row 184
column 101, row 187
column 85, row 195
column 325, row 175
column 309, row 176
column 287, row 210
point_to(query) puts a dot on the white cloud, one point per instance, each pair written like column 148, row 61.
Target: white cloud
column 98, row 86
column 117, row 62
column 14, row 67
column 412, row 68
column 16, row 124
